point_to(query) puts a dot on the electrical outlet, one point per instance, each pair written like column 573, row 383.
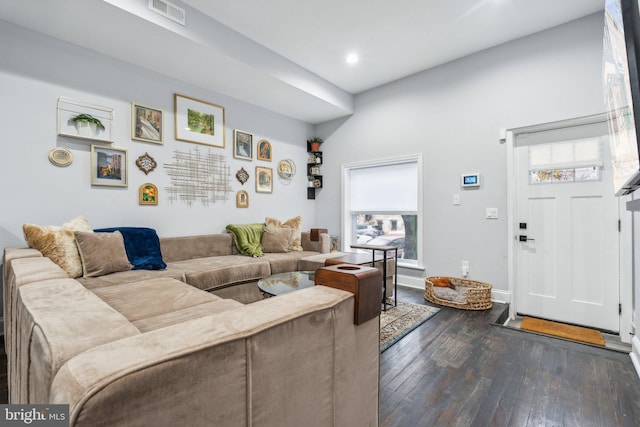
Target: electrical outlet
column 465, row 268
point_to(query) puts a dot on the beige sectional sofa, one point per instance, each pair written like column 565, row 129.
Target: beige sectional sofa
column 144, row 347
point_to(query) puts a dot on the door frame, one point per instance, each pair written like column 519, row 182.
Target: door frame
column 626, row 235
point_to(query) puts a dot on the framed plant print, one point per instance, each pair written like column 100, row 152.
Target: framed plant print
column 148, row 194
column 199, row 122
column 242, row 199
column 109, row 166
column 146, row 123
column 264, row 150
column 264, row 180
column 242, row 145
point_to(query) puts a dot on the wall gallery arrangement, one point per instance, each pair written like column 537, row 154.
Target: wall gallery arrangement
column 194, row 175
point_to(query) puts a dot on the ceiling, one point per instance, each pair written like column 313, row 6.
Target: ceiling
column 289, row 55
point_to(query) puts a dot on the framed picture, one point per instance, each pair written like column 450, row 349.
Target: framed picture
column 242, row 145
column 109, row 166
column 264, row 180
column 242, row 199
column 199, row 122
column 148, row 194
column 264, row 150
column 146, row 123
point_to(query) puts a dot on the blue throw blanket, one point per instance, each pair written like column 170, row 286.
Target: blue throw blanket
column 142, row 246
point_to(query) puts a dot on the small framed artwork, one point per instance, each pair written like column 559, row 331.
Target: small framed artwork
column 264, row 180
column 242, row 199
column 109, row 166
column 148, row 194
column 242, row 144
column 199, row 122
column 146, row 123
column 264, row 150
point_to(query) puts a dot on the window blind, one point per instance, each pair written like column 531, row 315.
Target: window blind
column 566, row 154
column 384, row 188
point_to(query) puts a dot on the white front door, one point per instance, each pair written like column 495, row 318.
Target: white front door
column 567, row 269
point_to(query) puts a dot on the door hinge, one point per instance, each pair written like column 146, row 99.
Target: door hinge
column 619, row 308
column 619, row 226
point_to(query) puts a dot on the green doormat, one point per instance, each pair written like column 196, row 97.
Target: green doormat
column 398, row 321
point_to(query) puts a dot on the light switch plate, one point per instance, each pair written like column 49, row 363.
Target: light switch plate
column 456, row 199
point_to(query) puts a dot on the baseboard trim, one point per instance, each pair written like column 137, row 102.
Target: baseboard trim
column 635, row 354
column 498, row 295
column 410, row 282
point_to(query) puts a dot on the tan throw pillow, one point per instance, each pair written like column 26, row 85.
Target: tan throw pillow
column 276, row 240
column 295, row 224
column 58, row 243
column 102, row 253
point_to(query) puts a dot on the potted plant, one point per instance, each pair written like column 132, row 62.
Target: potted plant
column 86, row 124
column 315, row 143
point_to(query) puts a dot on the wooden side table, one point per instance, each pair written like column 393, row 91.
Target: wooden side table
column 364, row 259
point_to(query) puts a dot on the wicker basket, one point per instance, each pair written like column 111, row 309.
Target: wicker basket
column 478, row 297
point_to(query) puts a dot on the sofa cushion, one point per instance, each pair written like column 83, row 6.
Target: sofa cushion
column 151, row 298
column 130, row 276
column 248, row 238
column 58, row 243
column 315, row 261
column 214, row 272
column 142, row 246
column 285, row 262
column 190, row 247
column 189, row 313
column 276, row 239
column 101, row 253
column 295, row 224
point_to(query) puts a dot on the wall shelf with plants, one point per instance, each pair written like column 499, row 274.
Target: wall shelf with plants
column 314, row 162
column 78, row 119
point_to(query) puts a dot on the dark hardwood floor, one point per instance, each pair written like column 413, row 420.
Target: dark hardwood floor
column 459, row 370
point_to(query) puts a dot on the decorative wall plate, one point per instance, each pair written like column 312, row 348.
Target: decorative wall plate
column 286, row 168
column 242, row 176
column 146, row 163
column 60, row 157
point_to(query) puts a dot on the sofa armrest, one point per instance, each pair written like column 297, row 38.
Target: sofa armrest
column 323, row 245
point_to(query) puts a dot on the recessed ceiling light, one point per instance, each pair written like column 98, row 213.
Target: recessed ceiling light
column 352, row 58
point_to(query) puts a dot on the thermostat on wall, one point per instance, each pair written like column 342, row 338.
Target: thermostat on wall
column 470, row 180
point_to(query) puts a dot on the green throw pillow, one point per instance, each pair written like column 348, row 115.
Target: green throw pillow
column 248, row 238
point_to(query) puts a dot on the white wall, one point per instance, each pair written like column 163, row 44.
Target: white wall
column 452, row 114
column 35, row 70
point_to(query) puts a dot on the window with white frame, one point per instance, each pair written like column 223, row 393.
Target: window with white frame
column 382, row 205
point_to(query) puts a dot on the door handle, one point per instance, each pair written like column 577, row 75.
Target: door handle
column 523, row 238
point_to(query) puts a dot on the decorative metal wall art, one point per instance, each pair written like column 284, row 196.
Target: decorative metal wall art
column 146, row 163
column 242, row 176
column 198, row 177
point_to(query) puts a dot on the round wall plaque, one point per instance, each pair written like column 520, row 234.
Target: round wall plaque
column 60, row 157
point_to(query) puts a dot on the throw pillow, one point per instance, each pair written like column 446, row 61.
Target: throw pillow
column 248, row 238
column 102, row 253
column 58, row 243
column 295, row 224
column 441, row 282
column 142, row 246
column 276, row 240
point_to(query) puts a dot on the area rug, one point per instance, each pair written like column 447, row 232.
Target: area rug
column 575, row 333
column 398, row 321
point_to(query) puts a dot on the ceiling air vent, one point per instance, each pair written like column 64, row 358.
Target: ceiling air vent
column 168, row 10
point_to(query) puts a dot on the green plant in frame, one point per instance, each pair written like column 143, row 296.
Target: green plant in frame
column 87, row 118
